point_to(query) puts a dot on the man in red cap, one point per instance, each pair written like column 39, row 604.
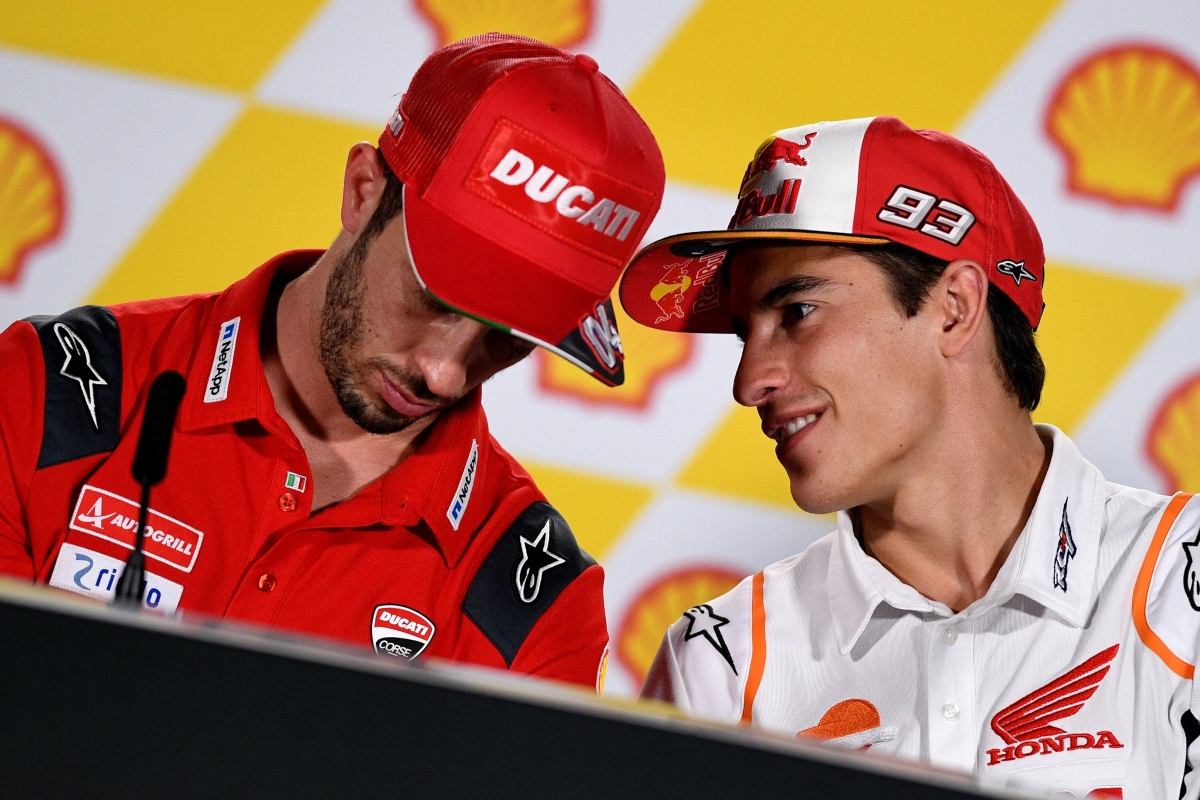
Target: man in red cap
column 332, row 471
column 988, row 603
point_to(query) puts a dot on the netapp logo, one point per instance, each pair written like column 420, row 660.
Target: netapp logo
column 218, row 377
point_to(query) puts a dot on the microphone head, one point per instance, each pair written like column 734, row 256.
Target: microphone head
column 150, row 460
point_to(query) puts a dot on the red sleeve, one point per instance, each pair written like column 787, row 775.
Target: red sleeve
column 20, row 440
column 569, row 640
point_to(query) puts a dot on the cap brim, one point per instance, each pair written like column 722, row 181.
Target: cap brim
column 675, row 283
column 479, row 279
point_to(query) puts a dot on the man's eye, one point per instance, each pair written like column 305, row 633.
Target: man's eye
column 794, row 312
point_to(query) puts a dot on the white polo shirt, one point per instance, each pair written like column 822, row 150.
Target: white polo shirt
column 1072, row 674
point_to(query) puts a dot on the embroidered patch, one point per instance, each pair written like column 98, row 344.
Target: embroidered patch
column 400, row 631
column 1066, row 550
column 218, row 377
column 703, row 621
column 462, row 495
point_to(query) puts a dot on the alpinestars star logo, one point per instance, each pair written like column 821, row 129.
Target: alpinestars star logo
column 1026, row 727
column 78, row 367
column 1065, row 552
column 1016, row 270
column 536, row 558
column 703, row 621
column 1191, row 581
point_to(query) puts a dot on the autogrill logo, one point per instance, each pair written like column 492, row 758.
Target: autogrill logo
column 218, row 376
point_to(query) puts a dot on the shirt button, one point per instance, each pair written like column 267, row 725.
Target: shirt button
column 950, row 712
column 266, row 582
column 287, row 502
column 949, row 635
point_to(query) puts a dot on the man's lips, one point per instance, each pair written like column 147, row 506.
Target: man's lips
column 401, row 401
column 789, row 428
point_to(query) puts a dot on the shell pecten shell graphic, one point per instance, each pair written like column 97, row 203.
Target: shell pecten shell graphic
column 659, row 605
column 561, row 23
column 1173, row 440
column 1127, row 120
column 32, row 199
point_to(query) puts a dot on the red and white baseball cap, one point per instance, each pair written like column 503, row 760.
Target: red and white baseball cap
column 529, row 181
column 859, row 182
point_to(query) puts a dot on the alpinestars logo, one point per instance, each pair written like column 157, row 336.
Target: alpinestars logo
column 78, row 367
column 536, row 558
column 1066, row 550
column 1015, row 270
column 1191, row 581
column 1026, row 727
column 703, row 621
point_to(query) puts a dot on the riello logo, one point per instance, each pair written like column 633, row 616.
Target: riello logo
column 1025, row 726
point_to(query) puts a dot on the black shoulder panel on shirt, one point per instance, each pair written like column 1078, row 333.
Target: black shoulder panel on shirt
column 82, row 350
column 529, row 567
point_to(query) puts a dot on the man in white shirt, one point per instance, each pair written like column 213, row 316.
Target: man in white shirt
column 988, row 602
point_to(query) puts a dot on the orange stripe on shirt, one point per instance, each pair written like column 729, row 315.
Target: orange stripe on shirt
column 1141, row 590
column 758, row 648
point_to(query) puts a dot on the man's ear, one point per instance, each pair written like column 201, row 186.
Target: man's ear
column 362, row 186
column 960, row 302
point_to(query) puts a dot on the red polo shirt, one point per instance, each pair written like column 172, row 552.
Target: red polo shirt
column 454, row 553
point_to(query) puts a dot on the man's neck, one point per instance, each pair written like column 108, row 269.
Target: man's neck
column 948, row 530
column 342, row 456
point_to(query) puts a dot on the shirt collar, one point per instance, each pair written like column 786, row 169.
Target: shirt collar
column 436, row 484
column 1067, row 516
column 243, row 381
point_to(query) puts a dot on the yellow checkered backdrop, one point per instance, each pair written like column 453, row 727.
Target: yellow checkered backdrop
column 151, row 149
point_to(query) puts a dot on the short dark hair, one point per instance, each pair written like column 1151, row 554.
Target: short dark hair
column 911, row 276
column 391, row 202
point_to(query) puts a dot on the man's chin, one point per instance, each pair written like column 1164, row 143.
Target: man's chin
column 813, row 498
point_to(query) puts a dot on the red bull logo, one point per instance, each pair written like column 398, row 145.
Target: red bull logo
column 670, row 290
column 756, row 204
column 769, row 154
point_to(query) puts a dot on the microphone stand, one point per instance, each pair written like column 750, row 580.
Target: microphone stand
column 149, row 468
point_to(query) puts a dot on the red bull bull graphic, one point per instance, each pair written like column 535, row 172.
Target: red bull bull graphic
column 772, row 151
column 670, row 290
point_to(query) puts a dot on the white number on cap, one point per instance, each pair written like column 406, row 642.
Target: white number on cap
column 909, row 208
column 952, row 228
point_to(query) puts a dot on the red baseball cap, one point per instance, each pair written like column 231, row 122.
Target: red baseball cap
column 529, row 181
column 860, row 182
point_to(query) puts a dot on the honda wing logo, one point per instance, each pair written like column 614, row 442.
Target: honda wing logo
column 1027, row 726
column 78, row 367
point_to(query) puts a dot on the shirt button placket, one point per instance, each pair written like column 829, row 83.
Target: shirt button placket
column 953, row 738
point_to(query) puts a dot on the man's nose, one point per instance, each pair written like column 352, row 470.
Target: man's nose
column 760, row 373
column 445, row 358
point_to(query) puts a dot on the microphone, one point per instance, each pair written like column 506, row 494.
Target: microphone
column 149, row 467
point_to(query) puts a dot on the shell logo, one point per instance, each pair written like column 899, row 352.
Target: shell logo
column 561, row 23
column 32, row 199
column 659, row 605
column 1127, row 120
column 650, row 356
column 1173, row 441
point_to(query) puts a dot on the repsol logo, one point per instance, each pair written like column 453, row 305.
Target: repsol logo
column 559, row 193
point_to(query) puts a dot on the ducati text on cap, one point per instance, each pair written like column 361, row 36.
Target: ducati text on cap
column 553, row 190
column 400, row 631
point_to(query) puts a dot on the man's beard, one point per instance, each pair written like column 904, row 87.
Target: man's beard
column 342, row 333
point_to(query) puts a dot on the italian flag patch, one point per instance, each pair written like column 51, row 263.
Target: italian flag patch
column 297, row 482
